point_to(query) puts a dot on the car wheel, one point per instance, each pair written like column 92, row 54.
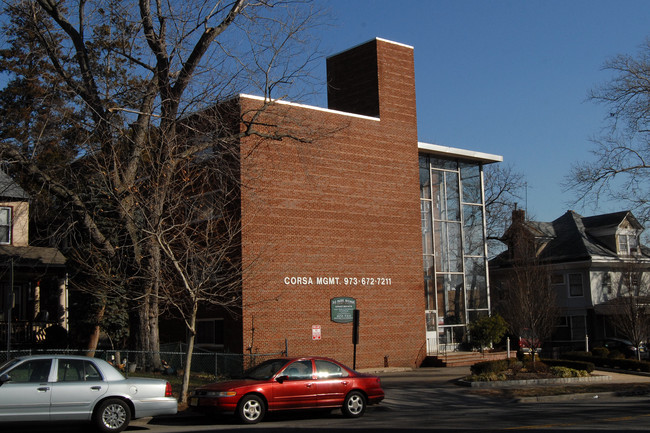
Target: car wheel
column 251, row 409
column 354, row 405
column 112, row 416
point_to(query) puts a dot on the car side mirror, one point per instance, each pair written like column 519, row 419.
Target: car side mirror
column 281, row 379
column 4, row 378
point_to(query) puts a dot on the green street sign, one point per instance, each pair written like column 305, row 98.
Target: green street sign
column 342, row 309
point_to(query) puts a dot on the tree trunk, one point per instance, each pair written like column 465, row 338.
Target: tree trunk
column 188, row 359
column 94, row 336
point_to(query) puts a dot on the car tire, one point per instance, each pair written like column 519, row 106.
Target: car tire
column 354, row 405
column 112, row 416
column 251, row 409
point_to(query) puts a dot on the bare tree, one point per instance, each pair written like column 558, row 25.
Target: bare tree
column 525, row 297
column 134, row 71
column 619, row 168
column 503, row 189
column 630, row 309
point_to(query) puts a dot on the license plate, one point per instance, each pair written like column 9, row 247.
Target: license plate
column 194, row 401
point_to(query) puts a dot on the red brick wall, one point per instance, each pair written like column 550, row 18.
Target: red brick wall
column 345, row 204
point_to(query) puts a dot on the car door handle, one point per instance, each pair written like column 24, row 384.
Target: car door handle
column 95, row 388
column 344, row 383
column 43, row 388
column 308, row 385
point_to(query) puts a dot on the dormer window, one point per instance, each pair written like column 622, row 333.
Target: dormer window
column 5, row 225
column 628, row 244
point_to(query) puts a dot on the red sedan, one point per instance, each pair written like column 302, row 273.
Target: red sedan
column 298, row 383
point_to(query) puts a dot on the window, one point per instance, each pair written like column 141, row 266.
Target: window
column 35, row 371
column 209, row 332
column 5, row 225
column 299, row 370
column 575, row 285
column 628, row 244
column 328, row 370
column 578, row 328
column 607, row 283
column 77, row 370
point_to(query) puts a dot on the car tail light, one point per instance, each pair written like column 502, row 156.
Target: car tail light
column 168, row 390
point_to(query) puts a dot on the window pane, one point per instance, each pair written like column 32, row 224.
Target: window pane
column 92, row 374
column 476, row 283
column 36, row 371
column 4, row 216
column 427, row 235
column 473, row 230
column 445, row 164
column 5, row 225
column 4, row 235
column 425, row 183
column 299, row 370
column 438, row 185
column 470, row 175
column 429, row 290
column 453, row 197
column 328, row 370
column 575, row 285
column 70, row 370
column 449, row 247
column 451, row 299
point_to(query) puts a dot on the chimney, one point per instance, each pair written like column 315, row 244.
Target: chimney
column 374, row 79
column 518, row 216
column 353, row 80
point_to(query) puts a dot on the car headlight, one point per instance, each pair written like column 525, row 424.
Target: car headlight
column 220, row 393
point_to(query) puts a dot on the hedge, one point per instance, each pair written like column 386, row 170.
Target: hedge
column 589, row 367
column 599, row 361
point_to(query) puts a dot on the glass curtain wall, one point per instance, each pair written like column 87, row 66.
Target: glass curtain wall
column 453, row 245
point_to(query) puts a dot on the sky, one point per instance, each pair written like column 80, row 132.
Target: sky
column 504, row 77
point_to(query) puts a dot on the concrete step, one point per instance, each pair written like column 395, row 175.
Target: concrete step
column 461, row 359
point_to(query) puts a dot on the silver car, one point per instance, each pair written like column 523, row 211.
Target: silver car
column 78, row 388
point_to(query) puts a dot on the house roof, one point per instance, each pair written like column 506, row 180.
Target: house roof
column 32, row 256
column 571, row 238
column 10, row 189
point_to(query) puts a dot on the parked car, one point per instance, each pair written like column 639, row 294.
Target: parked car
column 626, row 347
column 78, row 388
column 528, row 341
column 297, row 383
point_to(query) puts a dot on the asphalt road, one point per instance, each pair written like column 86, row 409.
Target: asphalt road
column 425, row 400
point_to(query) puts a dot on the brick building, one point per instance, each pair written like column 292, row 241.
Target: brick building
column 332, row 219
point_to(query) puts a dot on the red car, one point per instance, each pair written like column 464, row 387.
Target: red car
column 297, row 383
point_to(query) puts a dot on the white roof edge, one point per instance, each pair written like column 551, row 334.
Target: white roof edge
column 310, row 107
column 460, row 153
column 395, row 43
column 370, row 40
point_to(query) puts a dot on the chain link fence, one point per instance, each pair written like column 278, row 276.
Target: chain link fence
column 206, row 362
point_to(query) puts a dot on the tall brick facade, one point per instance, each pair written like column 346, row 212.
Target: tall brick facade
column 330, row 207
column 342, row 206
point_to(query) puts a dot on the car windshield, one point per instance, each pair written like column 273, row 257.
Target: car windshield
column 266, row 370
column 7, row 365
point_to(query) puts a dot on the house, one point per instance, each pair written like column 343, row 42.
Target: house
column 592, row 261
column 360, row 215
column 32, row 279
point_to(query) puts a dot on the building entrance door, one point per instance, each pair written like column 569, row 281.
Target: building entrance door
column 431, row 318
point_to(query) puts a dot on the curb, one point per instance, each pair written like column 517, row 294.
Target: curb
column 528, row 382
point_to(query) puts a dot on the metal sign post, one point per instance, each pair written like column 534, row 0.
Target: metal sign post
column 355, row 336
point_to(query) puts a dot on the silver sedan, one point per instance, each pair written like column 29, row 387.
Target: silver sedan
column 78, row 388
